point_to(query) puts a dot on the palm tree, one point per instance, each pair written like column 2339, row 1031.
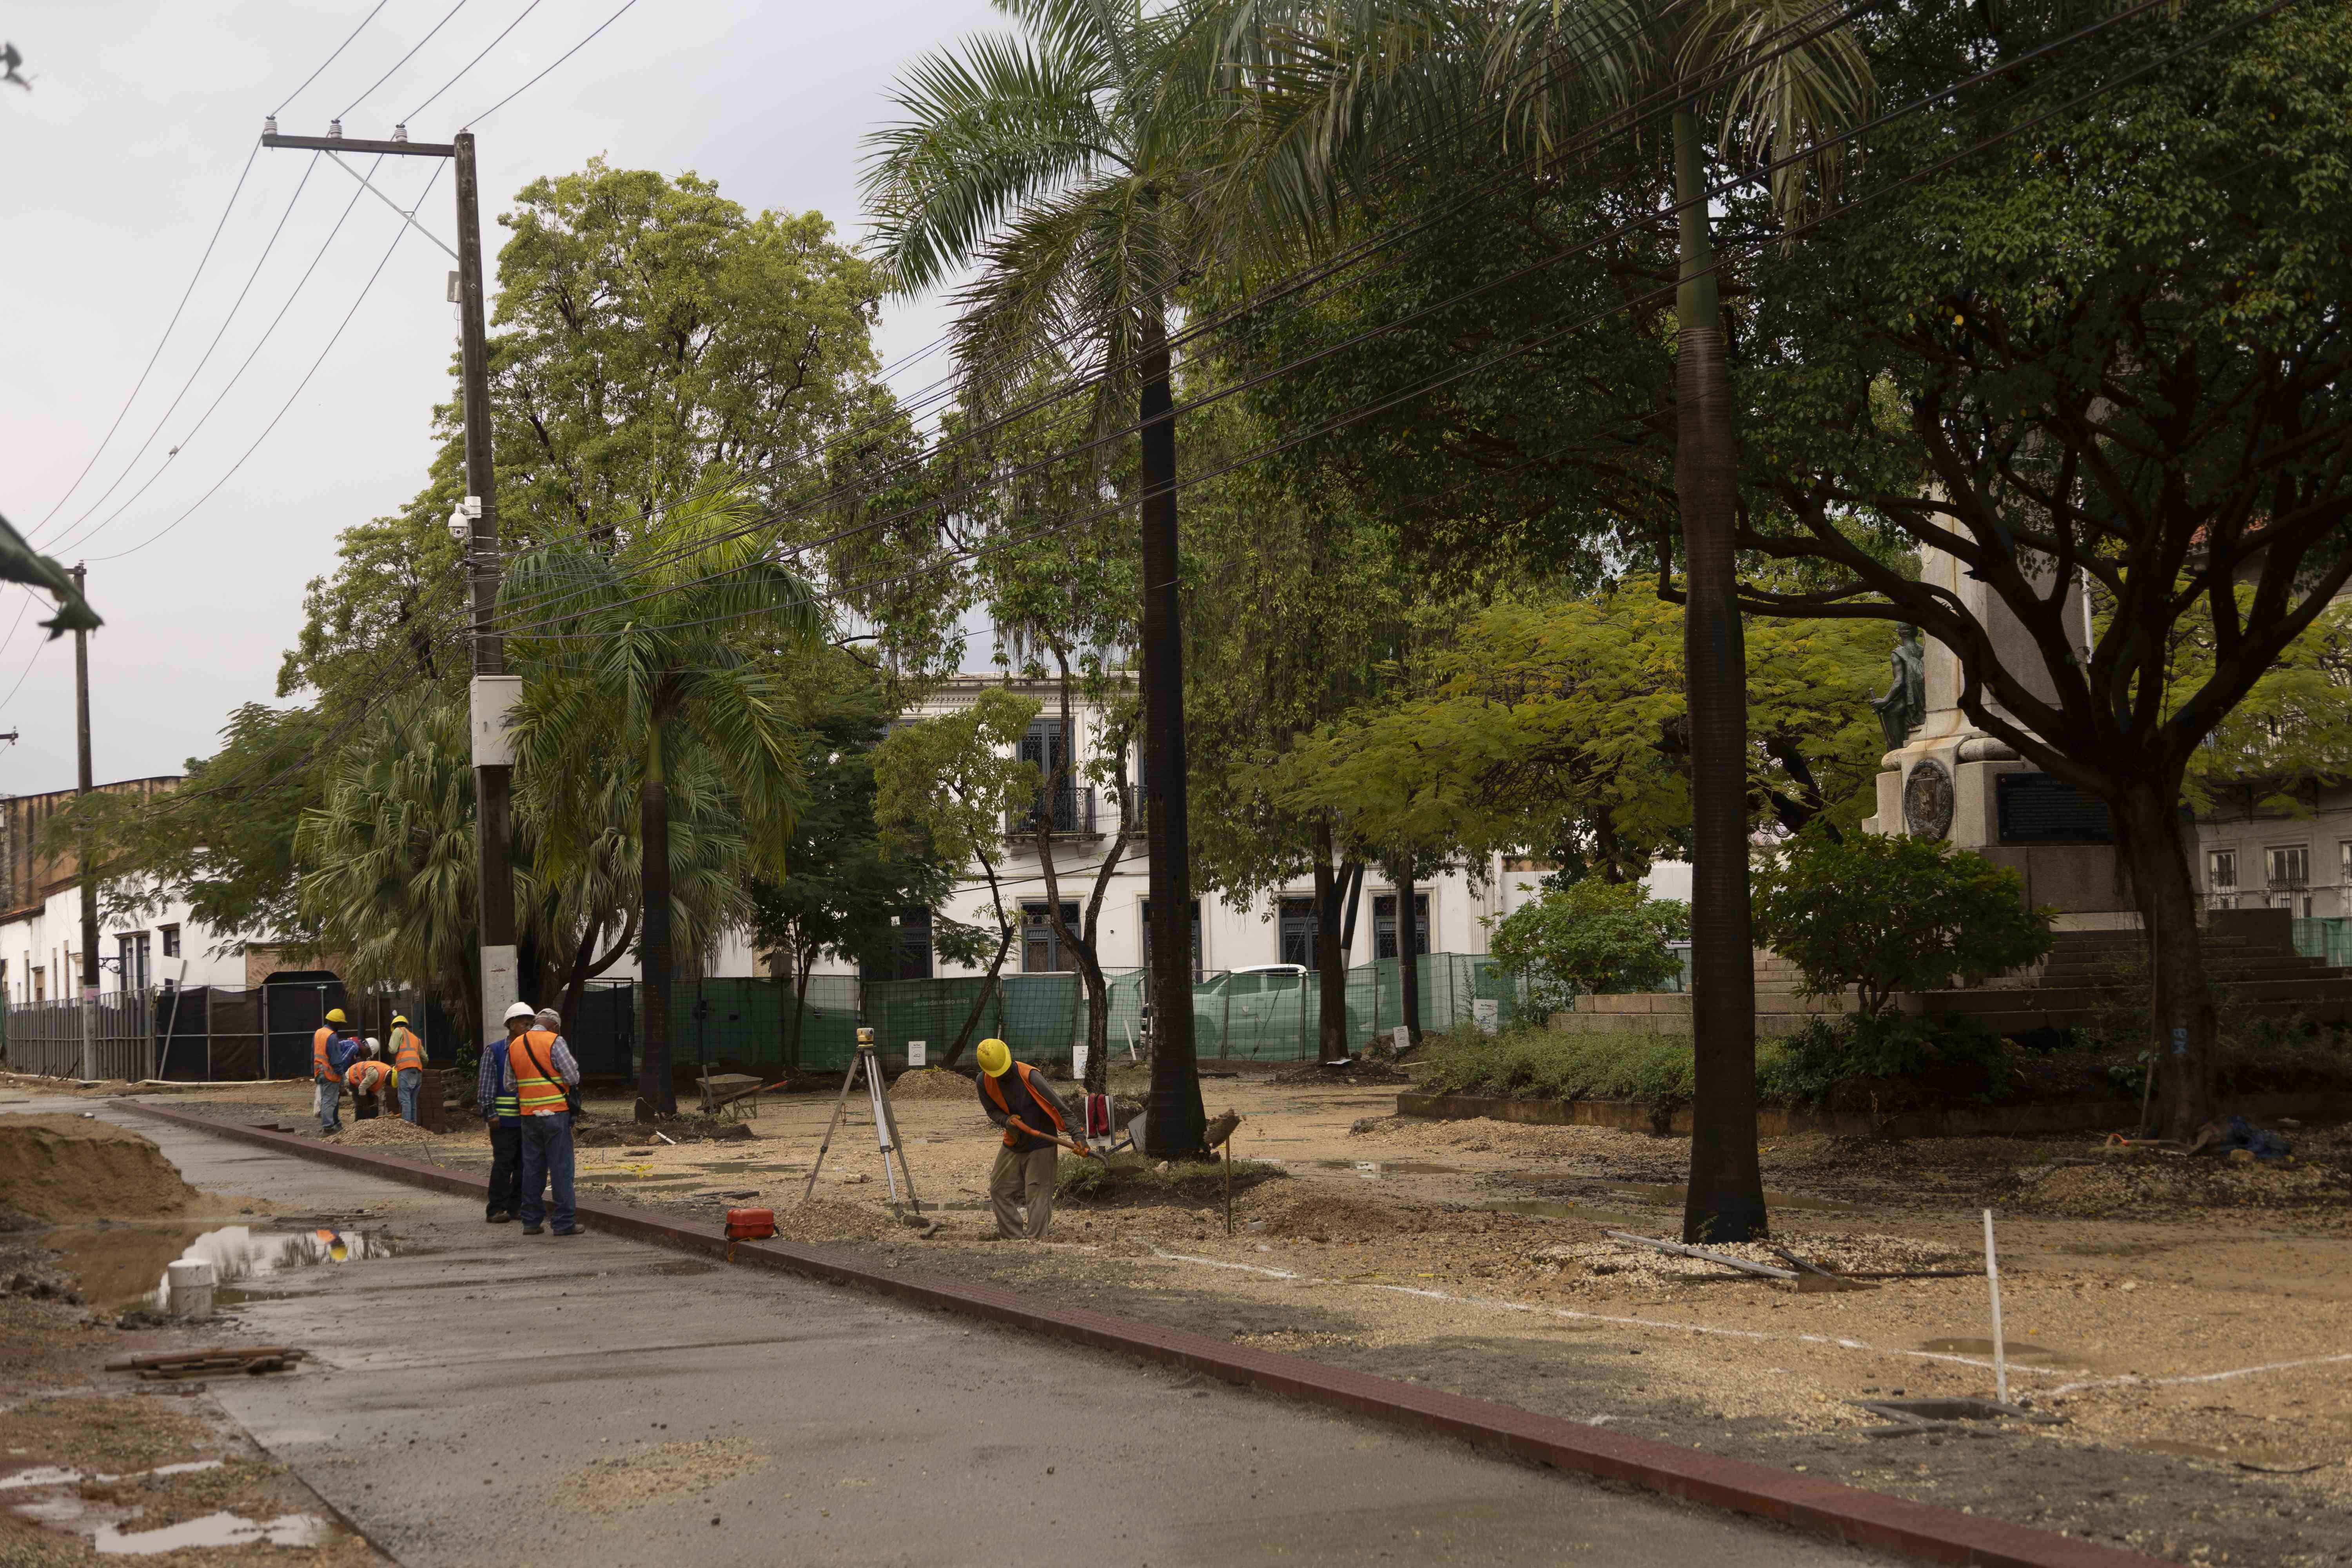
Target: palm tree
column 1330, row 92
column 1061, row 161
column 389, row 863
column 661, row 650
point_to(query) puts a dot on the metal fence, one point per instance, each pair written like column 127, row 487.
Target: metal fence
column 48, row 1037
column 207, row 1033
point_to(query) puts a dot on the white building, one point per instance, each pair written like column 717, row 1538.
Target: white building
column 40, row 924
column 1277, row 927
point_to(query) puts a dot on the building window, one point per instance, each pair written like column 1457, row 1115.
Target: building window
column 132, row 953
column 1297, row 922
column 1044, row 748
column 2221, row 869
column 41, row 984
column 1043, row 952
column 2290, row 867
column 1384, row 924
column 911, row 957
column 171, row 941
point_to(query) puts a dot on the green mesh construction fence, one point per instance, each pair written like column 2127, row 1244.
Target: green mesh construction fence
column 2327, row 939
column 751, row 1024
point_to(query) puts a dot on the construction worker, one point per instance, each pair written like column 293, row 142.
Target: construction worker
column 1037, row 1123
column 494, row 1097
column 540, row 1067
column 409, row 1063
column 370, row 1082
column 333, row 1048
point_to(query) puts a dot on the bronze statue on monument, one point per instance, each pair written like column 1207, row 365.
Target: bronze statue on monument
column 1906, row 702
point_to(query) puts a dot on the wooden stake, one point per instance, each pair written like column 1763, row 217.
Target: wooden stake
column 1229, row 1185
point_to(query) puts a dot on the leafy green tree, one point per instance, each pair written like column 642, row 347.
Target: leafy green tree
column 659, row 340
column 1339, row 88
column 1883, row 913
column 1060, row 160
column 223, row 840
column 388, row 865
column 1590, row 937
column 663, row 650
column 943, row 789
column 845, row 887
column 1294, row 603
column 2103, row 356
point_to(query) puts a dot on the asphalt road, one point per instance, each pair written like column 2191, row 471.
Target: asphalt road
column 483, row 1396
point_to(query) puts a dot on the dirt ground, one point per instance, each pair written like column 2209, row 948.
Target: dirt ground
column 2189, row 1323
column 94, row 1464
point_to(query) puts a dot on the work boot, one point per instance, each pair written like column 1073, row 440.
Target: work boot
column 501, row 1217
column 569, row 1230
column 532, row 1229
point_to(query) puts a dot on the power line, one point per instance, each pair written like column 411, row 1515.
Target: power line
column 397, row 234
column 403, row 60
column 469, row 65
column 238, row 374
column 329, row 59
column 566, row 55
column 166, row 338
column 164, row 417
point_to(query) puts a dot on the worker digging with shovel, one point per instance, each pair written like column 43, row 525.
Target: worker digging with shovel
column 1018, row 1099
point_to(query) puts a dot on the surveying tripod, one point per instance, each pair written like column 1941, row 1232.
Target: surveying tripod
column 886, row 1125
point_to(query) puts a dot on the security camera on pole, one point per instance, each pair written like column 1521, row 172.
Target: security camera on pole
column 495, row 691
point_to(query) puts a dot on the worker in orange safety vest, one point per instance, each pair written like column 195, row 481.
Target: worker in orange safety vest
column 371, row 1083
column 1037, row 1124
column 333, row 1048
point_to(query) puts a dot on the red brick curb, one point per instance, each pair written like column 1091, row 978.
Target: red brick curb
column 1841, row 1512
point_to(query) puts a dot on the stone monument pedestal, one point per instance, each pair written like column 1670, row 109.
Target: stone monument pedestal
column 1949, row 780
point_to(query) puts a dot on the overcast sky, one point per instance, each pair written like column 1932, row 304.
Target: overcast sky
column 120, row 163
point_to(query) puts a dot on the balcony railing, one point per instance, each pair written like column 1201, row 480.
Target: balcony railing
column 1072, row 816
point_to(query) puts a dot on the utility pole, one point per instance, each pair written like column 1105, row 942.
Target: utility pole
column 494, row 691
column 88, row 861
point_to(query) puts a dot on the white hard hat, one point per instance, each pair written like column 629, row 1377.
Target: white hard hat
column 373, row 1044
column 520, row 1010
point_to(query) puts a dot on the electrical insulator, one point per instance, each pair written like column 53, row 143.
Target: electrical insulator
column 334, row 129
column 269, row 125
column 400, row 132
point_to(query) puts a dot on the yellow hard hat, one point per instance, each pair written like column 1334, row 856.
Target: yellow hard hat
column 400, row 1017
column 995, row 1058
column 335, row 1016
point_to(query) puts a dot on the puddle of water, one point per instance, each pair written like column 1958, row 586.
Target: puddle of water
column 39, row 1476
column 2018, row 1350
column 213, row 1529
column 56, row 1476
column 126, row 1266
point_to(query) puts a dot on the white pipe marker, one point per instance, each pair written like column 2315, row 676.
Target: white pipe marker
column 2000, row 1350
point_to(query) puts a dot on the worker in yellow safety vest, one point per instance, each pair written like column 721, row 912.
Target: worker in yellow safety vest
column 333, row 1048
column 409, row 1063
column 1037, row 1123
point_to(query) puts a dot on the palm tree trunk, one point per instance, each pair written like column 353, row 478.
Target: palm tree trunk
column 1725, row 1198
column 1172, row 1129
column 656, row 1093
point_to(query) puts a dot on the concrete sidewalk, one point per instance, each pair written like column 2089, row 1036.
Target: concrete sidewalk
column 485, row 1396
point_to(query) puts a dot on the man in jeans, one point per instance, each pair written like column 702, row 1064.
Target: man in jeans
column 407, row 1059
column 541, row 1066
column 494, row 1097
